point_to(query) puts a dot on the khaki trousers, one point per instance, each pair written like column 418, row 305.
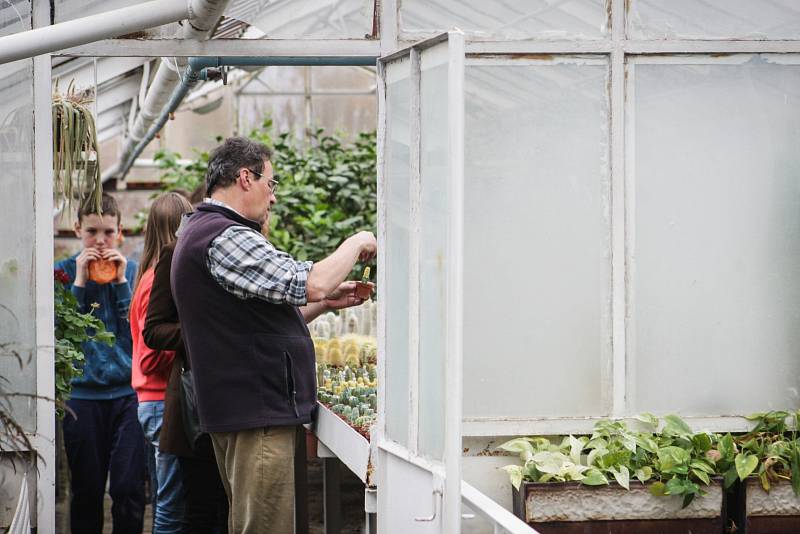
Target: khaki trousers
column 257, row 471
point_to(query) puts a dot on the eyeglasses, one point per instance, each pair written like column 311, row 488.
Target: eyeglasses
column 272, row 184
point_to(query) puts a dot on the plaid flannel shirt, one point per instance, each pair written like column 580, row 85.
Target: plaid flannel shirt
column 243, row 262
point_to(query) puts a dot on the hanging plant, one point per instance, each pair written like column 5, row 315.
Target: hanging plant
column 76, row 170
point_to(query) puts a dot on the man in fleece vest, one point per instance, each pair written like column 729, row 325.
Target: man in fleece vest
column 243, row 307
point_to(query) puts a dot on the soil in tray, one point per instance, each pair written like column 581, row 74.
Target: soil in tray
column 364, row 431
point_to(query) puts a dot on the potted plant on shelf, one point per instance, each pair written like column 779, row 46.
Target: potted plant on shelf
column 766, row 463
column 619, row 480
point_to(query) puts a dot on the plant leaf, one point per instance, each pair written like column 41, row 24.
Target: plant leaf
column 593, row 477
column 648, row 419
column 514, row 474
column 745, row 464
column 622, row 476
column 674, row 425
column 795, row 465
column 658, row 489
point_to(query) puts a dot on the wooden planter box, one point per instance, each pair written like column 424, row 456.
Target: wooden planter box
column 572, row 508
column 776, row 512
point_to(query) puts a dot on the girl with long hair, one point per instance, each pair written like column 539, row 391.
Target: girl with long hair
column 151, row 368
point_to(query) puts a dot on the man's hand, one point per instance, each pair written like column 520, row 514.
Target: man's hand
column 112, row 254
column 82, row 264
column 369, row 246
column 344, row 296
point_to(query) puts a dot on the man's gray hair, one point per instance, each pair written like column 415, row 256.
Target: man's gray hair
column 235, row 153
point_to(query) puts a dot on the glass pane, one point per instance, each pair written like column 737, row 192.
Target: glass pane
column 509, row 19
column 398, row 139
column 17, row 303
column 433, row 250
column 306, row 19
column 343, row 79
column 711, row 19
column 349, row 114
column 537, row 239
column 288, row 113
column 717, row 238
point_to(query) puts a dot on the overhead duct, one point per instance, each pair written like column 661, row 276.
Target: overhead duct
column 197, row 69
column 204, row 15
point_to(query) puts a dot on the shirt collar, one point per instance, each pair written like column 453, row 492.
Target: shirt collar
column 215, row 202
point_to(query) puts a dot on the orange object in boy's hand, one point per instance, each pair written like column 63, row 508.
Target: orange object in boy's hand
column 102, row 271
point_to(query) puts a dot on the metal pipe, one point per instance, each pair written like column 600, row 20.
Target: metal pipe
column 204, row 15
column 190, row 78
column 92, row 28
column 196, row 70
column 199, row 63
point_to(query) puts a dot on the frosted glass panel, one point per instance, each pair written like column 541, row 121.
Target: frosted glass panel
column 306, row 19
column 509, row 19
column 433, row 255
column 717, row 238
column 73, row 9
column 398, row 102
column 537, row 240
column 710, row 19
column 17, row 318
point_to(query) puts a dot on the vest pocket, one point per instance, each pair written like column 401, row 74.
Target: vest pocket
column 285, row 372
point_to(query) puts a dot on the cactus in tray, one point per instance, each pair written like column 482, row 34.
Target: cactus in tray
column 350, row 392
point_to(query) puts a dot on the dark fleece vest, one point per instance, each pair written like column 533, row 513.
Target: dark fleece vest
column 252, row 361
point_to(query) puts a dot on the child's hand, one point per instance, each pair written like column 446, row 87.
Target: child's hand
column 82, row 264
column 112, row 254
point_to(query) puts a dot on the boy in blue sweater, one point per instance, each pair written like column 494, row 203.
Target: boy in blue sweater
column 102, row 435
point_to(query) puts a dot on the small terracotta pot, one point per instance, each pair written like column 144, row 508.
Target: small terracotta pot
column 363, row 291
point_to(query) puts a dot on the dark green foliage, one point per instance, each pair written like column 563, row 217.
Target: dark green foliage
column 327, row 188
column 72, row 328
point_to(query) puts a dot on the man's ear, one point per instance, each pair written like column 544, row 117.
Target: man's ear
column 244, row 180
column 77, row 228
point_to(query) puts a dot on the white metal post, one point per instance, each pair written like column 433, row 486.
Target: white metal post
column 454, row 328
column 44, row 439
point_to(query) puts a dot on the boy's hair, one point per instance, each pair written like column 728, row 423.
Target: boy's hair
column 108, row 207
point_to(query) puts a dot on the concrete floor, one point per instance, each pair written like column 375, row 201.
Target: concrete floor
column 352, row 504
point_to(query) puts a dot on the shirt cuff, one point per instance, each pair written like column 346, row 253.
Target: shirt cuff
column 296, row 294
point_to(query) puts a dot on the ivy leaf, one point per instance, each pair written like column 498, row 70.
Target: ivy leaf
column 795, row 465
column 745, row 465
column 514, row 473
column 675, row 426
column 658, row 489
column 729, row 477
column 593, row 477
column 644, row 474
column 648, row 419
column 622, row 476
column 575, row 448
column 518, row 445
column 702, row 475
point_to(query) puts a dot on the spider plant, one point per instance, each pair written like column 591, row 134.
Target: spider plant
column 76, row 170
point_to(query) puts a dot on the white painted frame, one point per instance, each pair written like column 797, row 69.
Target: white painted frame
column 449, row 470
column 623, row 54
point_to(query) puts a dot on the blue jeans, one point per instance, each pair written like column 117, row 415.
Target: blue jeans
column 170, row 495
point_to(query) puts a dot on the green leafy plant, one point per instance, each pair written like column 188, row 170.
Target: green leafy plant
column 72, row 328
column 770, row 451
column 673, row 460
column 327, row 192
column 76, row 170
